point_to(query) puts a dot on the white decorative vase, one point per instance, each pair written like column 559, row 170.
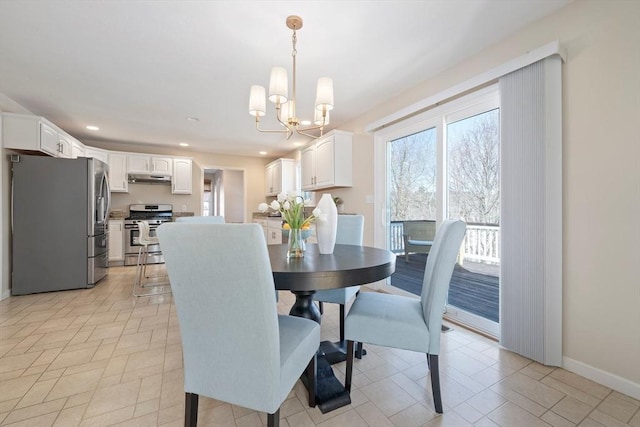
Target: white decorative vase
column 327, row 228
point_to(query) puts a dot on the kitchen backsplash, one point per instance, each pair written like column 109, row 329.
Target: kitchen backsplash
column 146, row 194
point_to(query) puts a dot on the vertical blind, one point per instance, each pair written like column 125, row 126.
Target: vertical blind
column 531, row 211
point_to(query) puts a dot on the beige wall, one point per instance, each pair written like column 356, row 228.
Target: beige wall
column 601, row 174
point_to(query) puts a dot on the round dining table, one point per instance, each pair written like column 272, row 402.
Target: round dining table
column 348, row 265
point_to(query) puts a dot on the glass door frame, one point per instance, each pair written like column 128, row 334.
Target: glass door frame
column 437, row 117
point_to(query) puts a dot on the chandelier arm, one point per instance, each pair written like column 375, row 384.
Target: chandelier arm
column 302, row 131
column 269, row 130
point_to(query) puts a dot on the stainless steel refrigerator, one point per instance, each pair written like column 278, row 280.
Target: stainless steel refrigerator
column 59, row 221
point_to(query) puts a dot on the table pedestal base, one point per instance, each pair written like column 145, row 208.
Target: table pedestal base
column 336, row 352
column 304, row 306
column 330, row 393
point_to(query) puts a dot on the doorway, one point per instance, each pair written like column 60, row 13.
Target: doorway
column 224, row 194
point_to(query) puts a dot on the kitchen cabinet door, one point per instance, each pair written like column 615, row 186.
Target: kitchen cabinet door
column 307, row 167
column 326, row 162
column 280, row 177
column 274, row 231
column 118, row 179
column 138, row 164
column 49, row 139
column 162, row 165
column 116, row 241
column 182, row 182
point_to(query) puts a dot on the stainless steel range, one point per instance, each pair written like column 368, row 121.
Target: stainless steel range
column 154, row 215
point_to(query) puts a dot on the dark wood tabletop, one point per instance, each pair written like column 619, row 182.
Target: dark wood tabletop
column 348, row 265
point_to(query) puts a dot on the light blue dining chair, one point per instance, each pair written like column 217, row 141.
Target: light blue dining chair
column 236, row 348
column 201, row 219
column 350, row 232
column 409, row 323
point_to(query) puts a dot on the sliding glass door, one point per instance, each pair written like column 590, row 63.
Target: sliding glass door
column 473, row 195
column 438, row 165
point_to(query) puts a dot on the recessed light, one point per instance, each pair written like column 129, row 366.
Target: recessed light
column 264, row 153
column 184, row 144
column 305, row 122
column 193, row 119
column 91, row 127
column 298, row 144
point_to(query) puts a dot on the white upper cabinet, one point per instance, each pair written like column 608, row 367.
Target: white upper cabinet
column 280, row 177
column 143, row 164
column 77, row 149
column 327, row 162
column 96, row 153
column 33, row 133
column 118, row 180
column 181, row 182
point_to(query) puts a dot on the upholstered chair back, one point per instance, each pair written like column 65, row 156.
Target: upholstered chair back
column 440, row 264
column 223, row 288
column 350, row 230
column 201, row 219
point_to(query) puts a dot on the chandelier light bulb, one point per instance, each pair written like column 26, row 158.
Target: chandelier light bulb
column 278, row 84
column 257, row 103
column 324, row 94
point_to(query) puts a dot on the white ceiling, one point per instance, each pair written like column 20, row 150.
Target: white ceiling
column 138, row 69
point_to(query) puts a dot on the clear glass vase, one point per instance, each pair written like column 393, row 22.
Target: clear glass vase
column 296, row 244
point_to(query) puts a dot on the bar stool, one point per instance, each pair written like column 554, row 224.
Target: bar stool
column 145, row 240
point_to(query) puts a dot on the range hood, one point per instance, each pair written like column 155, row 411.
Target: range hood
column 149, row 179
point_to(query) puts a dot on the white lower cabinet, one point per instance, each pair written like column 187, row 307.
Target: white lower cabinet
column 272, row 229
column 116, row 241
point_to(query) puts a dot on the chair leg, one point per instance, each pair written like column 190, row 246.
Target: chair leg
column 341, row 322
column 190, row 410
column 435, row 381
column 359, row 352
column 311, row 381
column 321, row 307
column 349, row 373
column 273, row 420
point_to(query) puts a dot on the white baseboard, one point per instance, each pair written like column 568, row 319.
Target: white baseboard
column 605, row 378
column 6, row 293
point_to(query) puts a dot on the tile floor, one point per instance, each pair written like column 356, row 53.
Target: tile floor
column 101, row 357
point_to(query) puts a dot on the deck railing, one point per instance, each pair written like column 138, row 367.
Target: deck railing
column 481, row 243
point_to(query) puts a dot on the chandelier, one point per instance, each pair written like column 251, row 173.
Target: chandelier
column 285, row 106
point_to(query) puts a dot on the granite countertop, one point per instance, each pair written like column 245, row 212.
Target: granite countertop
column 179, row 214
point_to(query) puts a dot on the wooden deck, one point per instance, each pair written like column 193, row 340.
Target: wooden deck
column 473, row 288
